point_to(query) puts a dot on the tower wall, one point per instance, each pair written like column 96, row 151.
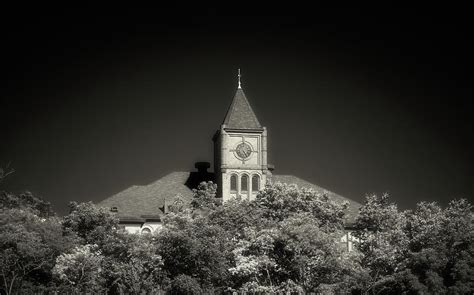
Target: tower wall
column 244, row 169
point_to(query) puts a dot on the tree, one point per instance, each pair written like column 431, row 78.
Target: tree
column 281, row 200
column 311, row 256
column 428, row 250
column 190, row 246
column 296, row 255
column 131, row 264
column 26, row 201
column 29, row 245
column 91, row 223
column 81, row 269
column 235, row 216
column 267, row 254
column 382, row 242
column 204, row 196
column 255, row 265
column 441, row 249
column 185, row 285
column 178, row 204
column 285, row 241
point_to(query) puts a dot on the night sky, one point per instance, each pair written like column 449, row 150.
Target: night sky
column 93, row 103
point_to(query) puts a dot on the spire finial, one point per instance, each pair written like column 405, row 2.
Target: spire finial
column 240, row 87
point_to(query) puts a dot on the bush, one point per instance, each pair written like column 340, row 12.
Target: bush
column 185, row 285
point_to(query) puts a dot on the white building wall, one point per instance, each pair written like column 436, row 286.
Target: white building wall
column 137, row 228
column 132, row 228
column 153, row 226
column 348, row 240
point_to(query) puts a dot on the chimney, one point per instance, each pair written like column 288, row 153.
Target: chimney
column 202, row 166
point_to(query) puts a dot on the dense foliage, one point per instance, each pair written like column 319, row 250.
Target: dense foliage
column 429, row 250
column 287, row 240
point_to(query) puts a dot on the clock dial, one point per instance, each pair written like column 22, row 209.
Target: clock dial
column 243, row 150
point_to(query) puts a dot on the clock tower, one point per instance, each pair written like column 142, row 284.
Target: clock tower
column 240, row 151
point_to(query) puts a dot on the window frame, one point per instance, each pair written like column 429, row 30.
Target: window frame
column 247, row 188
column 235, row 177
column 257, row 177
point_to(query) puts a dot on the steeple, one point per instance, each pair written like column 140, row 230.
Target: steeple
column 240, row 114
column 240, row 86
column 240, row 151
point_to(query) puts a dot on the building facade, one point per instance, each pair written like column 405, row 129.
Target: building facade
column 241, row 170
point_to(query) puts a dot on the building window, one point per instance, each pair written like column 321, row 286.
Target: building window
column 348, row 241
column 244, row 184
column 146, row 230
column 255, row 183
column 233, row 183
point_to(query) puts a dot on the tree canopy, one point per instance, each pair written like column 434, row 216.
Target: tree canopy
column 286, row 240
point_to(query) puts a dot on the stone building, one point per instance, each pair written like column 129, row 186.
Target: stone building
column 240, row 169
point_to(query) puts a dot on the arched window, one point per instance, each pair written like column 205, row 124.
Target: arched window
column 244, row 183
column 146, row 230
column 255, row 183
column 233, row 182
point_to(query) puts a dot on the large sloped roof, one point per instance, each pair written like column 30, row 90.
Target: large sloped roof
column 240, row 114
column 148, row 201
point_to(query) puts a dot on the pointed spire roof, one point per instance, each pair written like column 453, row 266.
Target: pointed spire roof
column 240, row 114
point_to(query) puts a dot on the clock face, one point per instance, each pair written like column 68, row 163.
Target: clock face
column 243, row 150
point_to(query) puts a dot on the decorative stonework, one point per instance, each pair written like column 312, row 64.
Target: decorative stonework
column 243, row 149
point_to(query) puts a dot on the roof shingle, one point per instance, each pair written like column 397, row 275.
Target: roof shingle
column 240, row 114
column 149, row 200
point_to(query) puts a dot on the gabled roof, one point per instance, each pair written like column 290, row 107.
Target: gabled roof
column 148, row 201
column 240, row 114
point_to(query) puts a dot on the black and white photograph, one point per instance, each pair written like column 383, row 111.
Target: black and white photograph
column 237, row 149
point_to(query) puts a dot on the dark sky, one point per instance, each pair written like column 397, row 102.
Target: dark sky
column 93, row 103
